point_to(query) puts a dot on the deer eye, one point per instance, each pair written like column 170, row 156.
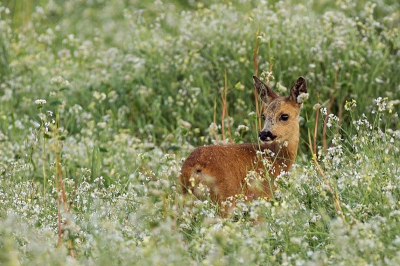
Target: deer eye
column 284, row 117
column 263, row 117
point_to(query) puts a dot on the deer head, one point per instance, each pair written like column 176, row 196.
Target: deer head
column 282, row 113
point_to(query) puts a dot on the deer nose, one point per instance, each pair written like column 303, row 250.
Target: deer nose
column 266, row 136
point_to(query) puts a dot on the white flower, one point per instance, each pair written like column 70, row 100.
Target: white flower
column 243, row 128
column 285, row 143
column 251, row 114
column 40, row 102
column 102, row 125
column 184, row 123
column 99, row 96
column 280, row 87
column 302, row 97
column 317, row 106
column 3, row 137
column 59, row 81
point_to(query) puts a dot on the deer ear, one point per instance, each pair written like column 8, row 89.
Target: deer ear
column 265, row 92
column 299, row 88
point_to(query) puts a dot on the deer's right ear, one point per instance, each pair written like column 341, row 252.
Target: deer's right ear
column 299, row 88
column 267, row 95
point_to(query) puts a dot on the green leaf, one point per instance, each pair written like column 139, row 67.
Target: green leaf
column 173, row 148
column 102, row 149
column 96, row 162
column 56, row 102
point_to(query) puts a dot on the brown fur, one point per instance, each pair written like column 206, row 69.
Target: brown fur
column 223, row 170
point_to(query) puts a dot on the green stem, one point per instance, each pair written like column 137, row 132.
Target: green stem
column 44, row 164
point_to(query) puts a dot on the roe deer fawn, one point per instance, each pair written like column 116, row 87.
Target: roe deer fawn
column 224, row 170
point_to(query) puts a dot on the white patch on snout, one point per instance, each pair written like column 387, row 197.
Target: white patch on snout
column 267, row 140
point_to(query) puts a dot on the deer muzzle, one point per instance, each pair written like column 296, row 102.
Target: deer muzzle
column 266, row 136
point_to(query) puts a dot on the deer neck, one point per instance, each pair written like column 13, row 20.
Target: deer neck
column 285, row 150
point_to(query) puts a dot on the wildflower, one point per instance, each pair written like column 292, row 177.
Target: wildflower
column 60, row 81
column 184, row 123
column 99, row 96
column 350, row 104
column 301, row 121
column 295, row 240
column 315, row 238
column 3, row 137
column 280, row 87
column 213, row 126
column 331, row 118
column 169, row 156
column 285, row 143
column 112, row 96
column 102, row 124
column 243, row 128
column 252, row 114
column 394, row 102
column 391, row 104
column 42, row 117
column 239, row 86
column 267, row 75
column 40, row 102
column 64, row 53
column 317, row 106
column 302, row 97
column 381, row 103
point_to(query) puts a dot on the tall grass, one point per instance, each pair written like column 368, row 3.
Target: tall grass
column 88, row 176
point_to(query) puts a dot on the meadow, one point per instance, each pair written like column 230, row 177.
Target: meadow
column 101, row 101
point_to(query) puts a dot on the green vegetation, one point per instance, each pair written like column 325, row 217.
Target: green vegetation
column 100, row 101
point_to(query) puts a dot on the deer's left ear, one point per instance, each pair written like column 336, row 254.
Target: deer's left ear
column 298, row 88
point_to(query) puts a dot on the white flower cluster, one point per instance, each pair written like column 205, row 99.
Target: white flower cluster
column 59, row 81
column 40, row 102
